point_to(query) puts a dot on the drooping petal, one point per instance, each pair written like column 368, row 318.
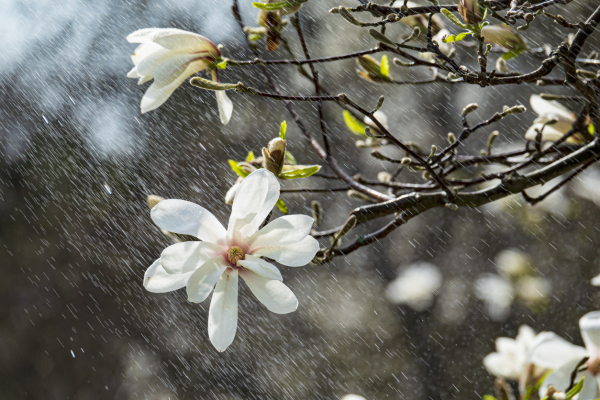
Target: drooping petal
column 171, row 69
column 261, row 267
column 158, row 280
column 187, row 218
column 225, row 106
column 177, row 39
column 549, row 350
column 156, row 95
column 253, row 202
column 589, row 325
column 143, row 35
column 547, row 107
column 203, row 280
column 276, row 296
column 292, row 255
column 185, row 257
column 284, row 230
column 222, row 315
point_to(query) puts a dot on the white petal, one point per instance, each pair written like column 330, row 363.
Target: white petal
column 143, row 35
column 144, row 51
column 133, row 73
column 589, row 325
column 177, row 39
column 596, row 281
column 560, row 378
column 260, row 267
column 148, row 65
column 185, row 257
column 156, row 95
column 292, row 255
column 170, row 70
column 499, row 365
column 158, row 280
column 545, row 107
column 506, row 345
column 284, row 230
column 526, row 336
column 550, row 133
column 589, row 391
column 225, row 106
column 276, row 296
column 203, row 280
column 549, row 350
column 187, row 218
column 222, row 315
column 254, row 200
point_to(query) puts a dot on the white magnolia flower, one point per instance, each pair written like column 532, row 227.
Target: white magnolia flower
column 224, row 255
column 498, row 294
column 547, row 111
column 170, row 56
column 510, row 359
column 415, row 286
column 379, row 116
column 553, row 352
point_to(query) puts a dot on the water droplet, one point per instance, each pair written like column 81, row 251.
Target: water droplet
column 45, row 119
column 108, row 188
column 73, row 354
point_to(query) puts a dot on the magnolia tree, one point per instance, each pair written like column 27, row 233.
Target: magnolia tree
column 558, row 145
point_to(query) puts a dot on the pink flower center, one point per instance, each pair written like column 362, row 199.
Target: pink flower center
column 235, row 254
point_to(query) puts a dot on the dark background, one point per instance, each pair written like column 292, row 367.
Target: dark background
column 78, row 161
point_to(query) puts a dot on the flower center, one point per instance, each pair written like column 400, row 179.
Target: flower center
column 235, row 254
column 593, row 365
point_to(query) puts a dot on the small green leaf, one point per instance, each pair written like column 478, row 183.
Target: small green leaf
column 509, row 55
column 488, row 397
column 253, row 37
column 282, row 207
column 591, row 129
column 290, row 158
column 222, row 64
column 385, row 66
column 283, row 130
column 456, row 38
column 357, row 127
column 250, row 156
column 453, row 19
column 272, row 6
column 576, row 389
column 237, row 169
column 300, row 173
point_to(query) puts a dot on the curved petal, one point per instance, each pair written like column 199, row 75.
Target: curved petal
column 260, row 267
column 560, row 378
column 254, row 200
column 187, row 218
column 284, row 230
column 185, row 257
column 171, row 69
column 203, row 280
column 148, row 65
column 545, row 107
column 143, row 35
column 550, row 133
column 223, row 311
column 549, row 350
column 144, row 51
column 177, row 39
column 499, row 365
column 225, row 106
column 156, row 95
column 589, row 391
column 589, row 325
column 276, row 296
column 158, row 280
column 292, row 255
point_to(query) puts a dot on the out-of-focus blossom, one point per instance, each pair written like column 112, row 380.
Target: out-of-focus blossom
column 513, row 263
column 224, row 255
column 420, row 20
column 170, row 56
column 550, row 351
column 453, row 301
column 415, row 286
column 497, row 293
column 379, row 116
column 470, row 11
column 534, row 290
column 549, row 110
column 510, row 359
column 353, row 397
column 505, row 36
column 445, row 48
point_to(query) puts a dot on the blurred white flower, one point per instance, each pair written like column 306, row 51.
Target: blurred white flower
column 513, row 263
column 353, row 397
column 415, row 286
column 420, row 20
column 170, row 56
column 505, row 36
column 379, row 116
column 497, row 293
column 550, row 351
column 445, row 48
column 510, row 359
column 587, row 185
column 223, row 255
column 534, row 290
column 547, row 111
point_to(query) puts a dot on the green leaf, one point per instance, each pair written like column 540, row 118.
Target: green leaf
column 253, row 37
column 509, row 55
column 283, row 130
column 456, row 38
column 591, row 129
column 282, row 207
column 237, row 169
column 576, row 389
column 250, row 156
column 356, row 126
column 453, row 19
column 385, row 66
column 300, row 173
column 222, row 64
column 488, row 397
column 290, row 158
column 272, row 6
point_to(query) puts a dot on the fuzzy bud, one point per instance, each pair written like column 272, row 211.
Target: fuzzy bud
column 275, row 156
column 406, row 161
column 384, row 177
column 514, row 110
column 469, row 109
column 470, row 11
column 153, row 200
column 317, row 212
column 451, row 137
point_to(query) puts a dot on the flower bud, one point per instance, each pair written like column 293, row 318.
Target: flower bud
column 275, row 156
column 470, row 11
column 502, row 66
column 514, row 110
column 451, row 137
column 469, row 109
column 384, row 177
column 503, row 35
column 370, row 69
column 356, row 195
column 212, row 85
column 154, row 200
column 317, row 211
column 406, row 161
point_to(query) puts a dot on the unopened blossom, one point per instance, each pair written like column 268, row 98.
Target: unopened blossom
column 550, row 351
column 534, row 290
column 505, row 36
column 548, row 110
column 420, row 20
column 497, row 293
column 470, row 11
column 170, row 56
column 446, row 48
column 510, row 359
column 415, row 286
column 224, row 255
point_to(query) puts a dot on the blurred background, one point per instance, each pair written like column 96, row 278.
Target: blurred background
column 78, row 160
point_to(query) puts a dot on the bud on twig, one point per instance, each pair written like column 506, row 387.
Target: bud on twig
column 406, row 161
column 275, row 156
column 379, row 103
column 381, row 37
column 451, row 138
column 514, row 110
column 350, row 223
column 153, row 200
column 317, row 211
column 491, row 140
column 212, row 85
column 469, row 109
column 348, row 16
column 384, row 177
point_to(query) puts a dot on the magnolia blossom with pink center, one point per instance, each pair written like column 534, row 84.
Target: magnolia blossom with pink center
column 550, row 351
column 224, row 255
column 170, row 56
